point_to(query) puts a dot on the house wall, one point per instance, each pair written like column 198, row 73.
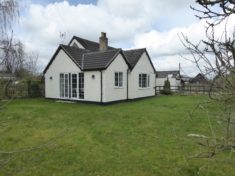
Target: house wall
column 92, row 88
column 63, row 64
column 92, row 84
column 110, row 92
column 142, row 66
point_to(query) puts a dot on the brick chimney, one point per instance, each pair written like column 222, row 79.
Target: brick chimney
column 103, row 42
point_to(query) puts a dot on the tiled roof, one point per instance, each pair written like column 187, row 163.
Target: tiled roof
column 75, row 52
column 133, row 56
column 199, row 78
column 99, row 60
column 90, row 60
column 164, row 74
column 90, row 45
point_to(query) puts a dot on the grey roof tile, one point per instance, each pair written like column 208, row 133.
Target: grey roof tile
column 133, row 56
column 164, row 74
column 90, row 60
column 90, row 45
column 100, row 59
column 75, row 52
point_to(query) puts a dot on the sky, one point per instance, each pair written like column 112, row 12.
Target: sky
column 152, row 24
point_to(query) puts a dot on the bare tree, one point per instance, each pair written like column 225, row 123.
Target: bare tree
column 9, row 11
column 13, row 58
column 215, row 55
column 12, row 55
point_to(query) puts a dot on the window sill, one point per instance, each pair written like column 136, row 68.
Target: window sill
column 118, row 87
column 144, row 88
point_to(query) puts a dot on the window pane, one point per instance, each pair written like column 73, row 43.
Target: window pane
column 74, row 85
column 116, row 79
column 81, row 85
column 144, row 80
column 120, row 79
column 140, row 80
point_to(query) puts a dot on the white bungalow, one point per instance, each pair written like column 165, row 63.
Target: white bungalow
column 85, row 70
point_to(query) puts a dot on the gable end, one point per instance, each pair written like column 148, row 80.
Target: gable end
column 54, row 56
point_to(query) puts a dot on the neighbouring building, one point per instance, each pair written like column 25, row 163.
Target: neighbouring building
column 199, row 79
column 85, row 70
column 172, row 76
column 185, row 79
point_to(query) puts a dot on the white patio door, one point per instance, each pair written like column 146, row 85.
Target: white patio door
column 64, row 85
column 74, row 86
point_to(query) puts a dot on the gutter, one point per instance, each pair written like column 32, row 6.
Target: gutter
column 127, row 84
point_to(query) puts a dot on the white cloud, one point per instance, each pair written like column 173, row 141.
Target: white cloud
column 166, row 49
column 171, row 62
column 168, row 43
column 128, row 23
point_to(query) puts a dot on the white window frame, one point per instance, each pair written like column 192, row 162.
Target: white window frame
column 119, row 79
column 71, row 85
column 64, row 97
column 83, row 87
column 140, row 81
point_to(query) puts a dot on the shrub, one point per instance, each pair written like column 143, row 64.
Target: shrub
column 167, row 87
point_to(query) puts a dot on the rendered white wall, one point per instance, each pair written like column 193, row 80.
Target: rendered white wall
column 110, row 92
column 61, row 64
column 92, row 86
column 142, row 66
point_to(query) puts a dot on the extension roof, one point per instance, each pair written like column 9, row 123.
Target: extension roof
column 91, row 58
column 133, row 56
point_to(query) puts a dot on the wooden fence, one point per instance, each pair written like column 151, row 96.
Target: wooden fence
column 21, row 89
column 189, row 89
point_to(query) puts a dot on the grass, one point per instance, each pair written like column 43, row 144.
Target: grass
column 141, row 138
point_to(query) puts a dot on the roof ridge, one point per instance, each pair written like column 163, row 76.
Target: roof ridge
column 85, row 39
column 97, row 52
column 74, row 47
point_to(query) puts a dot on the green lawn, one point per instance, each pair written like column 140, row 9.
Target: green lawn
column 141, row 138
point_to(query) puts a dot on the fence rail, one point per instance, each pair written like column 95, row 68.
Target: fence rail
column 189, row 89
column 23, row 89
